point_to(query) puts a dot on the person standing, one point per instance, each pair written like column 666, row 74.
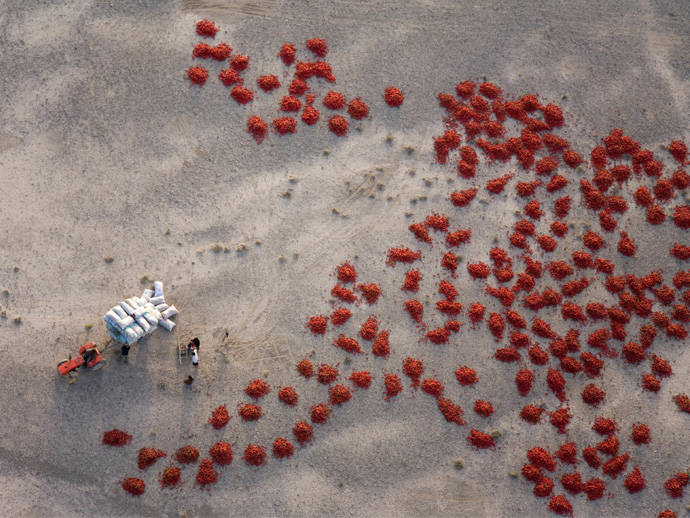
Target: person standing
column 195, row 356
column 188, row 382
column 124, row 353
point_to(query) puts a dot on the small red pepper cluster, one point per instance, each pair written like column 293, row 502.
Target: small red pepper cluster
column 219, row 418
column 221, row 453
column 148, row 457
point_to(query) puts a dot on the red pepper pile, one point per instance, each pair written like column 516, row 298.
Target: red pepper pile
column 255, row 455
column 206, row 474
column 170, row 476
column 221, row 453
column 134, row 486
column 148, row 457
column 282, row 448
column 187, row 454
column 250, row 412
column 116, row 437
column 219, row 418
column 288, row 395
column 257, row 389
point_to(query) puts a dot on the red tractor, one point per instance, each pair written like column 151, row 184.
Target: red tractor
column 89, row 358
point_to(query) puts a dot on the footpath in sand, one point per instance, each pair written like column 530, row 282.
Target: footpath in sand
column 436, row 255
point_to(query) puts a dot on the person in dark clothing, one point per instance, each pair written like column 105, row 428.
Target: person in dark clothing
column 188, row 382
column 194, row 343
column 124, row 353
column 88, row 355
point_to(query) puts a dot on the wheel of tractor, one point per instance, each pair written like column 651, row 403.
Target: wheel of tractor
column 98, row 366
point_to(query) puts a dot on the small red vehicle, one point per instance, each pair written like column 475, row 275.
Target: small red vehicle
column 89, row 357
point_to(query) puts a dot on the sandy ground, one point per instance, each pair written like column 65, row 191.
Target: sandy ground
column 106, row 151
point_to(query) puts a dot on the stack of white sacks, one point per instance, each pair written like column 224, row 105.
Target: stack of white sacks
column 137, row 317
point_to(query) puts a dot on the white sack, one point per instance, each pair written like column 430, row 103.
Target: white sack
column 169, row 313
column 158, row 288
column 167, row 324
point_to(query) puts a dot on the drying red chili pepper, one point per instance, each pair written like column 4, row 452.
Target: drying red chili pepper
column 339, row 394
column 609, row 446
column 250, row 412
column 650, row 383
column 257, row 128
column 287, row 54
column 255, row 455
column 242, row 95
column 451, row 412
column 415, row 309
column 560, row 505
column 478, row 270
column 288, row 395
column 369, row 329
column 480, row 440
column 412, row 279
column 326, row 374
column 543, row 488
column 572, row 483
column 347, row 344
column 170, row 476
column 393, row 386
column 282, row 448
column 463, row 198
column 221, row 453
column 239, row 63
column 483, row 408
column 682, row 401
column 361, row 379
column 681, row 216
column 560, row 419
column 148, row 457
column 229, row 77
column 370, row 292
column 303, row 432
column 284, row 125
column 338, row 125
column 592, row 395
column 187, row 454
column 318, row 47
column 257, row 389
column 524, row 380
column 401, row 255
column 305, row 368
column 616, row 465
column 134, row 486
column 219, row 418
column 439, row 335
column 317, row 325
column 381, row 346
column 343, row 294
column 206, row 474
column 667, row 513
column 310, row 115
column 433, row 387
column 358, row 109
column 320, row 413
column 221, row 52
column 290, row 104
column 531, row 414
column 197, row 75
column 116, row 437
column 466, row 376
column 393, row 96
column 202, row 51
column 206, row 28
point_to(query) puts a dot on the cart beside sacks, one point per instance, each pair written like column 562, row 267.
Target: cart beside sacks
column 135, row 318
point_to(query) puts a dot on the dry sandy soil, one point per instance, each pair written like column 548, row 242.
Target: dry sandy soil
column 106, row 151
